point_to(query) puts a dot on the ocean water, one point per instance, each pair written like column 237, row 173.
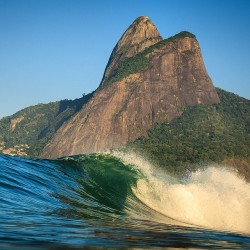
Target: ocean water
column 119, row 201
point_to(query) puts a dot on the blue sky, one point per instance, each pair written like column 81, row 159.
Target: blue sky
column 58, row 49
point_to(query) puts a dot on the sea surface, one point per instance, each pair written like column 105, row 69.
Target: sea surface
column 119, row 201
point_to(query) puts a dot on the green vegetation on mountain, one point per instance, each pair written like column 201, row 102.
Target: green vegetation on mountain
column 131, row 65
column 203, row 134
column 140, row 61
column 27, row 131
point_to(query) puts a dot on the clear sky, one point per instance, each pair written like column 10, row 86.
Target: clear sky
column 58, row 49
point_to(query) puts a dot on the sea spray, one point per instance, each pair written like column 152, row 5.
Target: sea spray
column 213, row 197
column 143, row 165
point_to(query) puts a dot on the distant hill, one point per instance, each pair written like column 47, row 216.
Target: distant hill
column 26, row 132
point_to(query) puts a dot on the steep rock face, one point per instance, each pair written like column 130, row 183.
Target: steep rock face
column 124, row 110
column 141, row 33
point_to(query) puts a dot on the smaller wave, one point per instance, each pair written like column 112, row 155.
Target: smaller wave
column 214, row 197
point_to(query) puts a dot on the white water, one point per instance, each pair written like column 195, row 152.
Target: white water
column 214, row 197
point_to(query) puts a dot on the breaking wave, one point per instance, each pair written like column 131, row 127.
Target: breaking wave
column 213, row 197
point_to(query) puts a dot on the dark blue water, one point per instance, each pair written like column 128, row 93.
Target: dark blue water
column 91, row 201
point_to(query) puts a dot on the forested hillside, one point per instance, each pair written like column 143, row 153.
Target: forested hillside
column 202, row 134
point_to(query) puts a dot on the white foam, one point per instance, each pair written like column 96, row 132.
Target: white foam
column 214, row 197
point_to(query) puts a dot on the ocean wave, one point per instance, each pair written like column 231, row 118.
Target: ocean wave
column 117, row 199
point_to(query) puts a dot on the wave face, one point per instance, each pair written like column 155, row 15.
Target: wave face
column 119, row 201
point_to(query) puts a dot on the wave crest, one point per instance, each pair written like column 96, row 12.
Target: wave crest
column 214, row 197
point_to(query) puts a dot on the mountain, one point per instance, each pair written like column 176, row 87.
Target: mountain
column 155, row 99
column 147, row 81
column 26, row 132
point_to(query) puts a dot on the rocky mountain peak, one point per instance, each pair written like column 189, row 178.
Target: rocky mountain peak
column 140, row 30
column 141, row 34
column 147, row 81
